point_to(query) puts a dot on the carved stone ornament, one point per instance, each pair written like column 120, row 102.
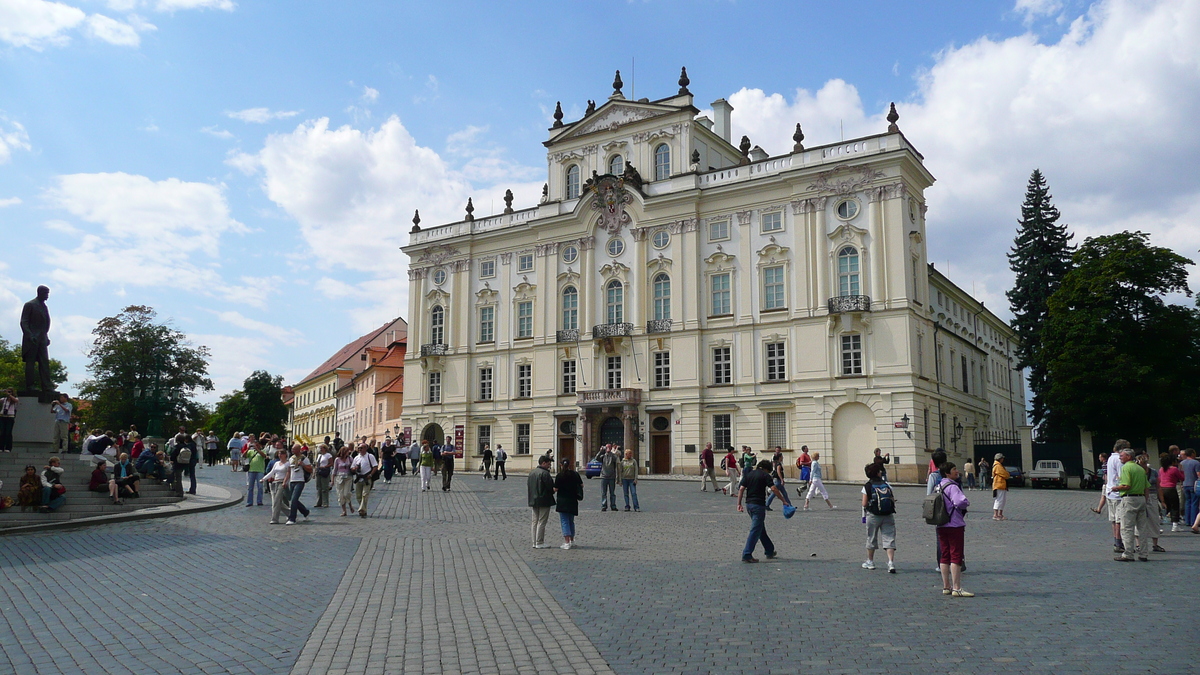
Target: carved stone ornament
column 743, row 217
column 845, row 232
column 772, row 253
column 437, row 254
column 506, row 258
column 844, row 179
column 719, row 260
column 437, row 296
column 885, row 192
column 659, row 264
column 486, row 296
column 416, row 273
column 681, row 226
column 639, row 233
column 610, row 200
column 524, row 291
column 800, row 206
column 614, row 270
column 586, row 243
column 543, row 250
column 616, row 116
column 459, row 265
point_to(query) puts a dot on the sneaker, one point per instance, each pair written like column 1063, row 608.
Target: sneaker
column 541, row 546
column 749, row 560
column 772, row 555
column 1122, row 558
column 1118, row 549
column 960, row 593
column 868, row 565
column 946, row 591
column 937, row 570
column 249, row 505
column 1175, row 527
column 833, row 508
column 290, row 522
column 891, row 567
column 807, row 509
column 565, row 546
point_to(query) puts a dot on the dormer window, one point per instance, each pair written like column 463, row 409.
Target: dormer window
column 616, row 165
column 573, row 181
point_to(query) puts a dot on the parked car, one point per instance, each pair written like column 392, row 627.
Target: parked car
column 1016, row 477
column 593, row 469
column 1048, row 472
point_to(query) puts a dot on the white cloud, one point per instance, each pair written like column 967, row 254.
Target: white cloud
column 112, row 31
column 1036, row 9
column 173, row 5
column 217, row 133
column 37, row 23
column 1104, row 112
column 370, row 95
column 262, row 329
column 261, row 115
column 9, row 201
column 12, row 137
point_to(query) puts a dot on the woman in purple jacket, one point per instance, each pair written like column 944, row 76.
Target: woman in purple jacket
column 950, row 535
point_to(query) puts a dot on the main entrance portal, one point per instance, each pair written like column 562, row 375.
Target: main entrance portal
column 612, row 432
column 434, row 434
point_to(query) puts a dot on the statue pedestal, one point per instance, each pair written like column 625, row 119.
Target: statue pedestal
column 34, row 427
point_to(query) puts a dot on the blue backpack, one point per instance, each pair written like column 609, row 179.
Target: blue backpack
column 881, row 501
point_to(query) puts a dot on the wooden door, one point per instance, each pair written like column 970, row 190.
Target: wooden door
column 566, row 450
column 660, row 454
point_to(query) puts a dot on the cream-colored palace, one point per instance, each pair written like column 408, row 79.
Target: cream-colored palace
column 673, row 289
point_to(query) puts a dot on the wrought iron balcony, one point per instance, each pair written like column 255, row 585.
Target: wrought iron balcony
column 598, row 397
column 569, row 335
column 609, row 330
column 849, row 303
column 433, row 349
column 658, row 326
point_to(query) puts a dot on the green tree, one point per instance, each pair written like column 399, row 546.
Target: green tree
column 1040, row 257
column 134, row 356
column 12, row 368
column 1121, row 361
column 255, row 408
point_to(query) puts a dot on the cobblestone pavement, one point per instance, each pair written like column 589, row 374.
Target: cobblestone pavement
column 447, row 583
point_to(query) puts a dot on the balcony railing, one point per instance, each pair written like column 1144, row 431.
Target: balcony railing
column 569, row 335
column 608, row 330
column 849, row 303
column 610, row 397
column 433, row 349
column 658, row 326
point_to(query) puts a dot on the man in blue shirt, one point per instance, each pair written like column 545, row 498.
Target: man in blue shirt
column 62, row 422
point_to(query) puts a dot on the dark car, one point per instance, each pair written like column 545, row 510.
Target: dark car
column 593, row 469
column 1016, row 477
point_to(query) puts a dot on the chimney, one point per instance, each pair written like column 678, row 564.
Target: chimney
column 722, row 111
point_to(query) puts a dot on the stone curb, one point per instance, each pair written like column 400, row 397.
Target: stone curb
column 685, row 479
column 216, row 498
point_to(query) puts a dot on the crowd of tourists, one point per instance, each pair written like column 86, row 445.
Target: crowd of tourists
column 1137, row 492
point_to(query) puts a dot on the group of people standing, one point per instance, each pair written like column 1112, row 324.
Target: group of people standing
column 1136, row 491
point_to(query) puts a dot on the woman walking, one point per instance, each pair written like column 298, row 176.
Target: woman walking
column 568, row 492
column 301, row 469
column 815, row 486
column 999, row 487
column 426, row 465
column 730, row 464
column 277, row 484
column 343, row 482
column 324, row 475
column 951, row 535
column 629, row 473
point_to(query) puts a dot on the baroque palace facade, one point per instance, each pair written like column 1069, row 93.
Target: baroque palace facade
column 672, row 289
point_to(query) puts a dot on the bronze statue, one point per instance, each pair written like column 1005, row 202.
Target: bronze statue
column 35, row 339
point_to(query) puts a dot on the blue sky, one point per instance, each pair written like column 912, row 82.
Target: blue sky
column 250, row 168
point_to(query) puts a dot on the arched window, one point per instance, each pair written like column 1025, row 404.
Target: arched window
column 616, row 165
column 662, row 296
column 570, row 308
column 573, row 181
column 848, row 274
column 615, row 295
column 662, row 162
column 437, row 325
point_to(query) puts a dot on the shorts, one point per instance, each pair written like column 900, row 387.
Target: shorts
column 950, row 545
column 1113, row 506
column 234, row 455
column 881, row 532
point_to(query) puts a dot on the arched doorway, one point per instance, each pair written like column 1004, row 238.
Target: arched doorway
column 434, row 434
column 854, row 440
column 612, row 431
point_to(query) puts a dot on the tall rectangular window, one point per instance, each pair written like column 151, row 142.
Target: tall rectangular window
column 570, row 308
column 614, row 372
column 485, row 384
column 525, row 262
column 487, row 268
column 772, row 222
column 525, row 319
column 525, row 380
column 435, row 387
column 662, row 369
column 852, row 354
column 568, row 377
column 721, row 303
column 966, row 376
column 718, row 230
column 777, row 430
column 523, row 439
column 773, row 288
column 487, row 324
column 722, row 365
column 776, row 361
column 722, row 431
column 921, row 355
column 483, row 433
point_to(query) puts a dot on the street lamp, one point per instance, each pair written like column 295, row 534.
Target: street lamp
column 958, row 433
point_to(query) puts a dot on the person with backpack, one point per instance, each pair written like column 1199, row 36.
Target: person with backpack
column 501, row 458
column 946, row 508
column 879, row 515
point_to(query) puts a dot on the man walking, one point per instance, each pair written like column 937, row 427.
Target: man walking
column 608, row 478
column 540, row 489
column 707, row 464
column 363, row 467
column 1191, row 497
column 1132, row 485
column 753, row 492
column 300, row 468
column 388, row 456
column 501, row 458
column 487, row 462
column 62, row 423
column 1113, row 498
column 414, row 455
column 447, row 464
column 437, row 456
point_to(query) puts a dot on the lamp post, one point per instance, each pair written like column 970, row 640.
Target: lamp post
column 958, row 433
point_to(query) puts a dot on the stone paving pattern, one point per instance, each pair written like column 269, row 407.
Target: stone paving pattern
column 447, row 583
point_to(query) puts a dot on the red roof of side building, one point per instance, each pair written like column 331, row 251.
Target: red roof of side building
column 344, row 354
column 287, row 394
column 396, row 386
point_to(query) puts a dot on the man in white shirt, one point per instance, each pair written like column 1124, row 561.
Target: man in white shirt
column 363, row 467
column 300, row 468
column 210, row 448
column 1112, row 496
column 199, row 439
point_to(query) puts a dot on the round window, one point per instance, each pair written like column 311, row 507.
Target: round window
column 616, row 246
column 661, row 239
column 847, row 209
column 660, row 423
column 439, row 277
column 570, row 254
column 567, row 427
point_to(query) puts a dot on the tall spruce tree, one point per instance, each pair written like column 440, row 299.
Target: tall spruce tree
column 1040, row 257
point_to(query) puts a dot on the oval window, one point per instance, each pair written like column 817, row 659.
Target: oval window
column 847, row 209
column 439, row 277
column 661, row 239
column 616, row 247
column 660, row 423
column 570, row 254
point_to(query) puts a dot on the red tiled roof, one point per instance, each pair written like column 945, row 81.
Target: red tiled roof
column 345, row 353
column 396, row 386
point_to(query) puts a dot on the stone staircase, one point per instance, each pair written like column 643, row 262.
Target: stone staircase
column 80, row 502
